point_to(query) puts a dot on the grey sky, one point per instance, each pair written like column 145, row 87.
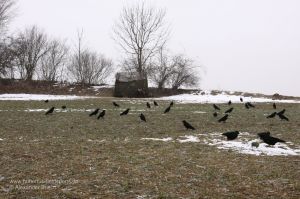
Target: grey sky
column 244, row 45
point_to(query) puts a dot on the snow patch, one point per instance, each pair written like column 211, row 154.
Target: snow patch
column 37, row 97
column 188, row 138
column 159, row 139
column 219, row 98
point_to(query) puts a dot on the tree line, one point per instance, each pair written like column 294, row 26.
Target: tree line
column 141, row 32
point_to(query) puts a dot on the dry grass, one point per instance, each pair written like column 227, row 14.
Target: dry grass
column 106, row 158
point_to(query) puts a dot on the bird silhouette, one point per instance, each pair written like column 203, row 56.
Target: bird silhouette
column 216, row 107
column 231, row 135
column 246, row 106
column 272, row 115
column 50, row 111
column 125, row 112
column 229, row 110
column 167, row 109
column 95, row 112
column 46, row 101
column 63, row 107
column 155, row 103
column 115, row 104
column 281, row 112
column 229, row 103
column 283, row 117
column 223, row 119
column 215, row 114
column 188, row 125
column 172, row 103
column 142, row 117
column 267, row 138
column 101, row 115
column 274, row 106
column 148, row 105
column 250, row 105
column 241, row 99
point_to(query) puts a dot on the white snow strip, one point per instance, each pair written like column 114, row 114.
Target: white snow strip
column 159, row 139
column 1, row 139
column 220, row 98
column 188, row 138
column 201, row 112
column 246, row 147
column 37, row 97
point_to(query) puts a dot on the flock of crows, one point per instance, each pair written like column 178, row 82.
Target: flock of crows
column 231, row 135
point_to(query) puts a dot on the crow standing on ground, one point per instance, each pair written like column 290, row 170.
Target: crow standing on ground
column 95, row 112
column 229, row 110
column 148, row 105
column 274, row 106
column 272, row 115
column 167, row 109
column 50, row 111
column 63, row 107
column 125, row 112
column 229, row 103
column 188, row 125
column 216, row 107
column 231, row 135
column 215, row 114
column 223, row 119
column 155, row 103
column 115, row 104
column 101, row 115
column 46, row 101
column 142, row 117
column 283, row 117
column 241, row 99
column 267, row 138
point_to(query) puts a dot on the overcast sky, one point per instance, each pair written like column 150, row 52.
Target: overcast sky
column 243, row 45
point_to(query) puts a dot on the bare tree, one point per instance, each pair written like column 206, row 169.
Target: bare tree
column 7, row 57
column 87, row 67
column 184, row 73
column 52, row 64
column 140, row 32
column 5, row 13
column 31, row 47
column 163, row 67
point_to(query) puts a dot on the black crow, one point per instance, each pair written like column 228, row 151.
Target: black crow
column 283, row 117
column 223, row 119
column 101, row 115
column 267, row 138
column 142, row 117
column 95, row 112
column 215, row 114
column 281, row 112
column 155, row 103
column 231, row 135
column 46, row 101
column 63, row 107
column 272, row 115
column 216, row 107
column 188, row 125
column 241, row 99
column 229, row 110
column 125, row 112
column 229, row 103
column 148, row 105
column 167, row 109
column 250, row 105
column 172, row 103
column 50, row 111
column 115, row 104
column 247, row 106
column 274, row 106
